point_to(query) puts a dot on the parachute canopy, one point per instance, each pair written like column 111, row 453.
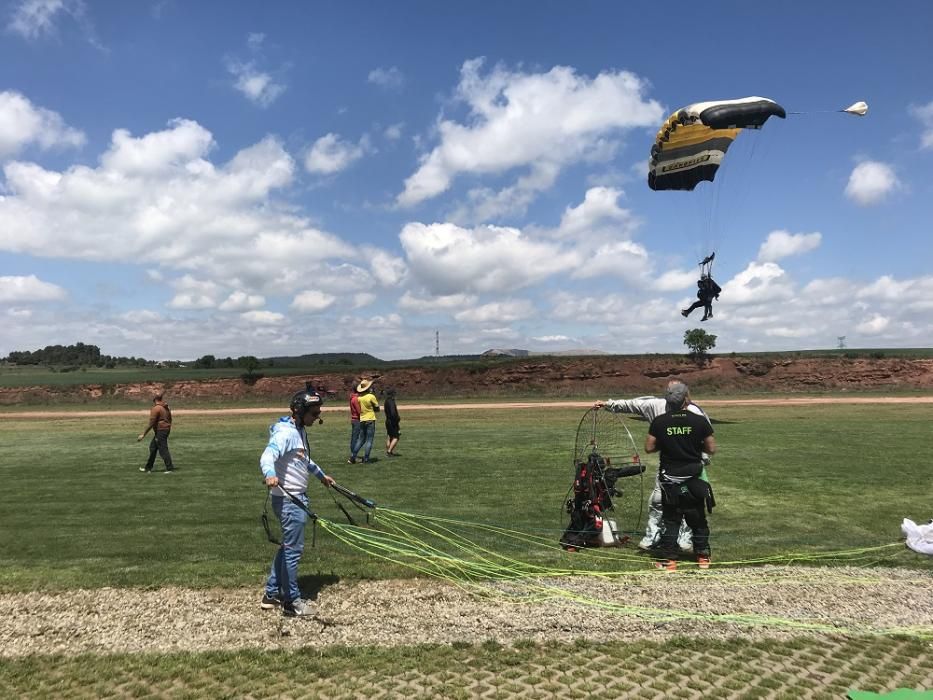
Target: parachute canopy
column 693, row 141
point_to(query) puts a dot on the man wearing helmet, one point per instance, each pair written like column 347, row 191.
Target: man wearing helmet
column 286, row 464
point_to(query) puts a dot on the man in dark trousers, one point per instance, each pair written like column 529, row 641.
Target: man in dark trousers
column 393, row 429
column 160, row 423
column 682, row 437
column 707, row 290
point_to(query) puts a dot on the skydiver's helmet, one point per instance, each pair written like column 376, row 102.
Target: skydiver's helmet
column 304, row 400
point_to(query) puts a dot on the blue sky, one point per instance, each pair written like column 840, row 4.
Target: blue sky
column 239, row 178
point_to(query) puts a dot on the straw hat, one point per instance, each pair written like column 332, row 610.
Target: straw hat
column 364, row 386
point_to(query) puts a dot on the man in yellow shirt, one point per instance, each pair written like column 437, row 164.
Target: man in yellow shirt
column 369, row 407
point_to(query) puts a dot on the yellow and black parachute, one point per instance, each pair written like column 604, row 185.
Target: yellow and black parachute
column 692, row 141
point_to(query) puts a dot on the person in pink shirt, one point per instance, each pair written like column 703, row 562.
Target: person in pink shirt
column 354, row 424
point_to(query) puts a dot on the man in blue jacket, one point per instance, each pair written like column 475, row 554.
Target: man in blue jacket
column 286, row 464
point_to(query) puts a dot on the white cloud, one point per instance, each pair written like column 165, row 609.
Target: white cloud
column 552, row 338
column 519, row 119
column 448, row 259
column 393, row 132
column 391, row 78
column 485, row 204
column 619, row 260
column 186, row 300
column 312, row 301
column 22, row 289
column 874, row 325
column 362, row 299
column 871, row 182
column 783, row 244
column 447, row 302
column 264, row 318
column 158, row 198
column 497, row 312
column 387, row 269
column 759, row 283
column 925, row 114
column 673, row 280
column 141, row 316
column 599, row 214
column 331, row 154
column 23, row 124
column 242, row 301
column 259, row 87
column 182, row 143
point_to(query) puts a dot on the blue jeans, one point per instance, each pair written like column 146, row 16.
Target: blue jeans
column 283, row 577
column 354, row 436
column 365, row 440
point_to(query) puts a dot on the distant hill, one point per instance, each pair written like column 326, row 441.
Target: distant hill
column 349, row 359
column 513, row 352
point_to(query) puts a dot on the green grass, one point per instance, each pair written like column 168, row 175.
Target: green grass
column 75, row 512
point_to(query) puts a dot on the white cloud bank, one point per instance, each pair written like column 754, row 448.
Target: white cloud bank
column 536, row 120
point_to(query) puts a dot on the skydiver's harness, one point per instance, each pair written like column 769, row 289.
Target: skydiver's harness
column 593, row 490
column 687, row 494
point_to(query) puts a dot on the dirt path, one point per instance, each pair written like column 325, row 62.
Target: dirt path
column 789, row 401
column 748, row 602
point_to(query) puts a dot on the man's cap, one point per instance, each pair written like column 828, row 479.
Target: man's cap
column 676, row 395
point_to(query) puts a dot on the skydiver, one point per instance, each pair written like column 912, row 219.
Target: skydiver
column 707, row 290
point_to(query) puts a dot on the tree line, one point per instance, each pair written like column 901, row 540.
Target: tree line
column 84, row 355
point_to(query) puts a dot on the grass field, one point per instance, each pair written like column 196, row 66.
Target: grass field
column 76, row 513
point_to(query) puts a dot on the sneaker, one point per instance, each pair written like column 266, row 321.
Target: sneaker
column 352, row 460
column 169, row 471
column 365, row 460
column 269, row 601
column 703, row 562
column 666, row 565
column 298, row 608
column 647, row 545
column 703, row 319
column 147, row 471
column 684, row 313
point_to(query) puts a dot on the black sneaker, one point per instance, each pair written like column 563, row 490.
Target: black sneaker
column 269, row 602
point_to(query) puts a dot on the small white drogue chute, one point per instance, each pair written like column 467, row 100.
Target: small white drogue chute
column 859, row 108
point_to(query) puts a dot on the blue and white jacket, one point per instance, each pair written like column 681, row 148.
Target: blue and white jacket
column 286, row 457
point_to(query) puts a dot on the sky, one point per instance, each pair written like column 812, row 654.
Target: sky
column 253, row 178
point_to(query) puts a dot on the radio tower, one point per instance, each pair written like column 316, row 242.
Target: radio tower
column 437, row 343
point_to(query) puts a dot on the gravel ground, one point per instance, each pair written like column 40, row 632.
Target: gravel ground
column 749, row 602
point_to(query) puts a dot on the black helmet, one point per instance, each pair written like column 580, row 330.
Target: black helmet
column 304, row 400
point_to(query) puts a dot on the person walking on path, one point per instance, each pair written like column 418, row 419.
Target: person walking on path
column 369, row 407
column 393, row 432
column 649, row 408
column 286, row 464
column 354, row 424
column 160, row 423
column 682, row 437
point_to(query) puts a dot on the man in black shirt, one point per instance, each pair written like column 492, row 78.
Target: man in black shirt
column 682, row 437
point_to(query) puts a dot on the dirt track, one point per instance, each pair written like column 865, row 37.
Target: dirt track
column 791, row 401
